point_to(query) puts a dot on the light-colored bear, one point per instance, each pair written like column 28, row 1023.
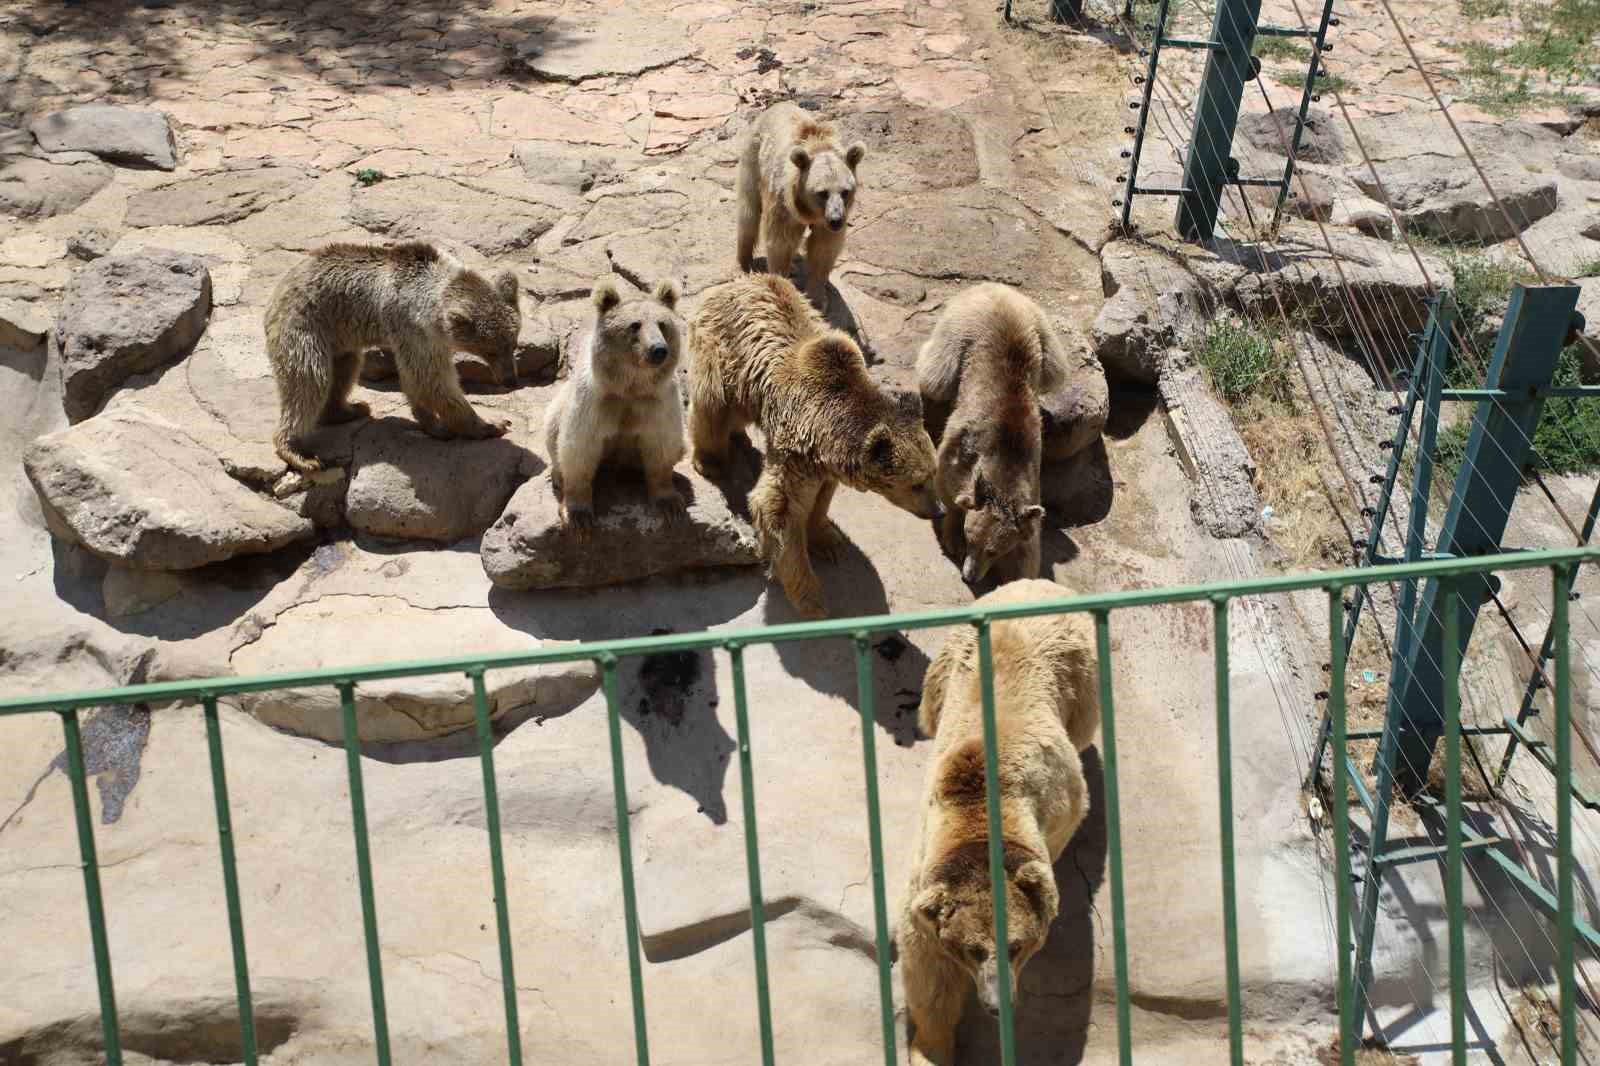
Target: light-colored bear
column 412, row 299
column 759, row 353
column 1047, row 710
column 992, row 353
column 620, row 402
column 794, row 175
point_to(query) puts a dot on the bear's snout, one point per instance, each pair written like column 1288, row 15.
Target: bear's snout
column 657, row 353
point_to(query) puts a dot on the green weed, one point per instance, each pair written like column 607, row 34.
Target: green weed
column 1244, row 361
column 369, row 176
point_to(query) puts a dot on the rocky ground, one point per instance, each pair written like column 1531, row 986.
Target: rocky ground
column 163, row 164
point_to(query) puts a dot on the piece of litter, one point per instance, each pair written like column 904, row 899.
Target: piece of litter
column 1266, row 513
column 1369, row 676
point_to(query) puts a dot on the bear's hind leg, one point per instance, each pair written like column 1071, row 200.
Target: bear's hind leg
column 346, row 372
column 304, row 377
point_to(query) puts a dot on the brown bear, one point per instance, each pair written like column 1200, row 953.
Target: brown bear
column 1047, row 710
column 991, row 355
column 620, row 402
column 759, row 353
column 412, row 299
column 793, row 174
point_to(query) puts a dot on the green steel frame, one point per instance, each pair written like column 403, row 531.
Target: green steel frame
column 607, row 654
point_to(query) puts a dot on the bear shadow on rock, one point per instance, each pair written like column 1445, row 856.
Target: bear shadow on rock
column 1052, row 1013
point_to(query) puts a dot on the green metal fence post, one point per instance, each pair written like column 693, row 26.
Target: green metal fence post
column 861, row 639
column 369, row 907
column 1340, row 804
column 752, row 851
column 630, row 903
column 497, row 864
column 997, row 845
column 1450, row 597
column 1119, row 924
column 230, row 880
column 91, row 886
column 1230, row 907
column 1565, row 873
column 1208, row 164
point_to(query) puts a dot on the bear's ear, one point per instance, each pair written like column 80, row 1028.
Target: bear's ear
column 666, row 293
column 929, row 907
column 1039, row 885
column 605, row 295
column 1032, row 513
column 800, row 157
column 855, row 154
column 879, row 450
column 506, row 286
column 460, row 324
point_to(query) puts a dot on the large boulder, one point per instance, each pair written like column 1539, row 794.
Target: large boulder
column 123, row 135
column 529, row 548
column 124, row 315
column 1152, row 301
column 1271, row 131
column 214, row 199
column 406, row 485
column 145, row 495
column 1446, row 200
column 1074, row 415
column 31, row 187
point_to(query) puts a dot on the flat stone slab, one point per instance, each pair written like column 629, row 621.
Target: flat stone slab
column 125, row 135
column 528, row 548
column 214, row 199
column 429, row 208
column 43, row 188
column 143, row 495
column 316, row 634
column 1447, row 200
column 624, row 42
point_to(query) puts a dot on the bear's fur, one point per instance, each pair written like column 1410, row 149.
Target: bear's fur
column 991, row 354
column 621, row 402
column 1047, row 710
column 411, row 299
column 759, row 353
column 793, row 174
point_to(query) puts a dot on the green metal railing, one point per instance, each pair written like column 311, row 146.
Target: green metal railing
column 607, row 654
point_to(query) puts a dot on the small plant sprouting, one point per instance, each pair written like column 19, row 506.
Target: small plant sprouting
column 369, row 176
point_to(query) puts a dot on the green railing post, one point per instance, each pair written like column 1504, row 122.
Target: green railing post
column 630, row 903
column 369, row 907
column 1119, row 924
column 997, row 844
column 1230, row 906
column 91, row 886
column 752, row 851
column 1341, row 824
column 1565, row 903
column 1450, row 595
column 230, row 880
column 497, row 863
column 861, row 639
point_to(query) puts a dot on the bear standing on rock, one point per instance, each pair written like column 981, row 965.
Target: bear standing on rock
column 1047, row 709
column 991, row 355
column 761, row 354
column 794, row 174
column 411, row 299
column 621, row 402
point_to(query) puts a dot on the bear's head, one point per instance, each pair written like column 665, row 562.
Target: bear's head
column 898, row 461
column 823, row 184
column 643, row 335
column 956, row 907
column 995, row 525
column 483, row 317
